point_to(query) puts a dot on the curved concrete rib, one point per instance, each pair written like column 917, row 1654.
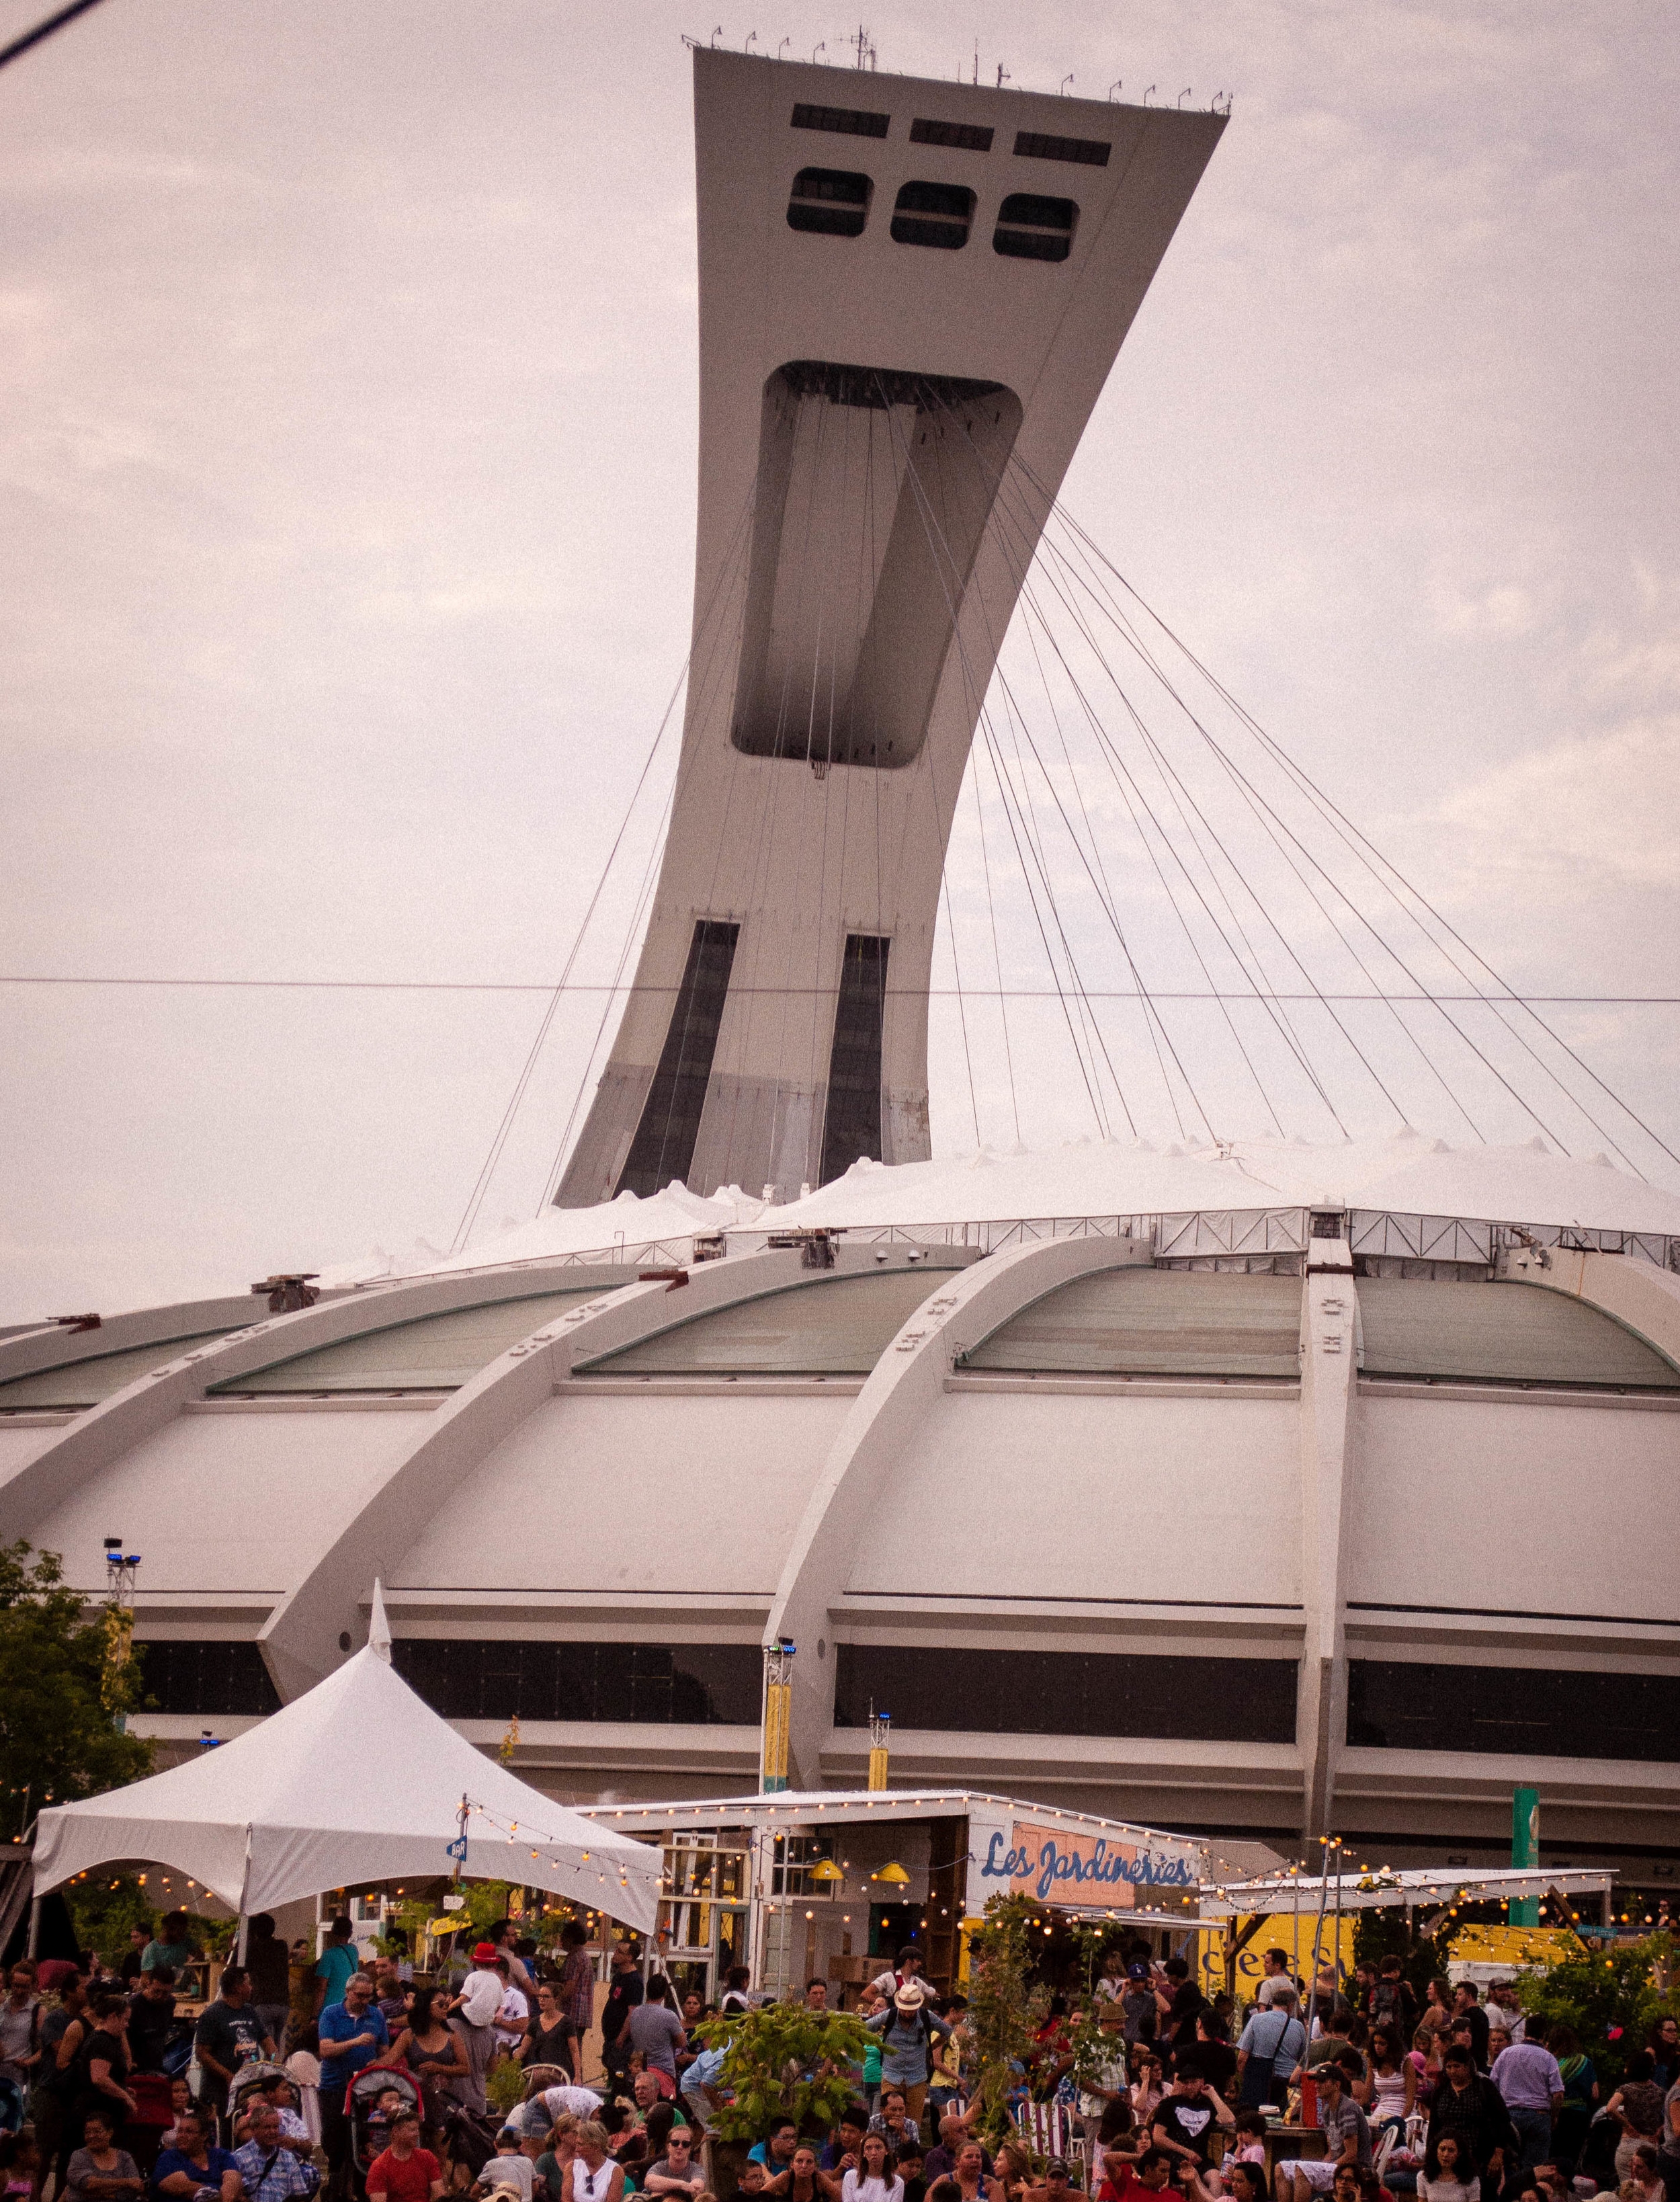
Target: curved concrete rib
column 907, row 1382
column 1636, row 1293
column 97, row 1438
column 52, row 1346
column 300, row 1639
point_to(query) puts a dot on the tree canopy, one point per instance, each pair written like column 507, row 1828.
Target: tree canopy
column 65, row 1680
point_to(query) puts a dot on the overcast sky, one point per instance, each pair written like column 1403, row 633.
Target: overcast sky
column 347, row 452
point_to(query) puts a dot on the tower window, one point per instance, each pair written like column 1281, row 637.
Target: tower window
column 1034, row 146
column 853, row 1125
column 1033, row 228
column 663, row 1147
column 849, row 122
column 830, row 202
column 971, row 136
column 939, row 215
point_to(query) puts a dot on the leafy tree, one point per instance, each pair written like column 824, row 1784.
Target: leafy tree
column 1004, row 2010
column 784, row 2061
column 1610, row 1997
column 104, row 1906
column 60, row 1689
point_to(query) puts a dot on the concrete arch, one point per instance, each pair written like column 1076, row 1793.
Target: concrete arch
column 100, row 1435
column 1636, row 1293
column 300, row 1639
column 895, row 1400
column 50, row 1345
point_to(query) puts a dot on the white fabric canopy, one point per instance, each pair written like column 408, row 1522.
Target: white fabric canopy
column 356, row 1781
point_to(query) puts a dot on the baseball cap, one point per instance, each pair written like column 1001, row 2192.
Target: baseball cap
column 1137, row 1972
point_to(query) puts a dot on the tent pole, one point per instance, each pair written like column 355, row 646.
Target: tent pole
column 241, row 1939
column 34, row 1926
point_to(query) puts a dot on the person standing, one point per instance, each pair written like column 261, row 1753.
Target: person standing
column 1467, row 2105
column 169, row 1946
column 152, row 2018
column 1527, row 2077
column 623, row 1992
column 268, row 1964
column 98, row 2073
column 907, row 2032
column 576, row 1991
column 20, row 2029
column 656, row 2030
column 548, row 2036
column 337, row 1962
column 352, row 2036
column 1468, row 2011
column 227, row 2036
column 1275, row 1978
column 1269, row 2048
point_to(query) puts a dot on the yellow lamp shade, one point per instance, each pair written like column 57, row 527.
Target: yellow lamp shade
column 891, row 1871
column 826, row 1870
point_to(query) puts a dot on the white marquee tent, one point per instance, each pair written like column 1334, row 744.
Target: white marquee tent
column 358, row 1780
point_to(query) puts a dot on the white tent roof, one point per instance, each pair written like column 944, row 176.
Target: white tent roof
column 357, row 1780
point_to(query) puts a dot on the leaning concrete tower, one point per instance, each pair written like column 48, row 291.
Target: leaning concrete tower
column 910, row 296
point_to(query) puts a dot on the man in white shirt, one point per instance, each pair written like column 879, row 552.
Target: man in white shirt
column 513, row 2012
column 1276, row 1979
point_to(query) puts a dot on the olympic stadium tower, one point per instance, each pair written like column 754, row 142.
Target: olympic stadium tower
column 1244, row 1487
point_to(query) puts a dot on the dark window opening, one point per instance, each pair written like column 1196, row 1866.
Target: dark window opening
column 1022, row 1692
column 1403, row 1704
column 204, row 1680
column 704, row 1685
column 939, row 215
column 850, row 122
column 971, row 136
column 1034, row 146
column 829, row 203
column 853, row 1125
column 663, row 1147
column 1030, row 227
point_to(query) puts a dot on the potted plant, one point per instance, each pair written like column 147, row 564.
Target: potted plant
column 781, row 2061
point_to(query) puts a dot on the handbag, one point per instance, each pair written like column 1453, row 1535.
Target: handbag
column 1259, row 2074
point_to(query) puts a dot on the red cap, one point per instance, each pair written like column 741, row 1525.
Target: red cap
column 484, row 1954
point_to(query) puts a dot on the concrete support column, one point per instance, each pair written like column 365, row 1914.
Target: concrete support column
column 1329, row 1369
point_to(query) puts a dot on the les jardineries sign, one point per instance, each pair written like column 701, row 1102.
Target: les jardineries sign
column 1060, row 1865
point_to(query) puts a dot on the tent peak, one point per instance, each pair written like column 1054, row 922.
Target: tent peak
column 378, row 1628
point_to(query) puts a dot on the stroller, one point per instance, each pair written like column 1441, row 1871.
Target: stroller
column 370, row 2113
column 252, row 2076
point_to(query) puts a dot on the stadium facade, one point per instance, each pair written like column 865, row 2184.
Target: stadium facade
column 1258, row 1491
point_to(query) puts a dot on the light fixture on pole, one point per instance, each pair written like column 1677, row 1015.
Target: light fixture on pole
column 119, row 1569
column 880, row 1728
column 778, row 1701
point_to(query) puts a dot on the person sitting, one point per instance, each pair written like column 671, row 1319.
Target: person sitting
column 967, row 2181
column 1347, row 2134
column 1148, row 2180
column 99, row 2171
column 909, row 2164
column 845, row 2152
column 676, row 2172
column 892, row 2122
column 594, row 2176
column 194, row 2167
column 404, row 2171
column 875, row 2178
column 510, row 2166
column 268, row 2170
column 1186, row 2119
column 775, row 2151
column 1448, row 2183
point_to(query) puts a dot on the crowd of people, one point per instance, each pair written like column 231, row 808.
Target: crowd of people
column 383, row 2088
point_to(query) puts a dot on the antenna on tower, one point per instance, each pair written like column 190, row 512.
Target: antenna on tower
column 1003, row 76
column 861, row 40
column 976, row 64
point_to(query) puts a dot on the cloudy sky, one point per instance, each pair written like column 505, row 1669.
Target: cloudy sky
column 346, row 447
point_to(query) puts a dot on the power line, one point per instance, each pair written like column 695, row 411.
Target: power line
column 990, row 994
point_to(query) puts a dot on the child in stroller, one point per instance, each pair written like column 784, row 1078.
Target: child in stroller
column 376, row 2097
column 257, row 2081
